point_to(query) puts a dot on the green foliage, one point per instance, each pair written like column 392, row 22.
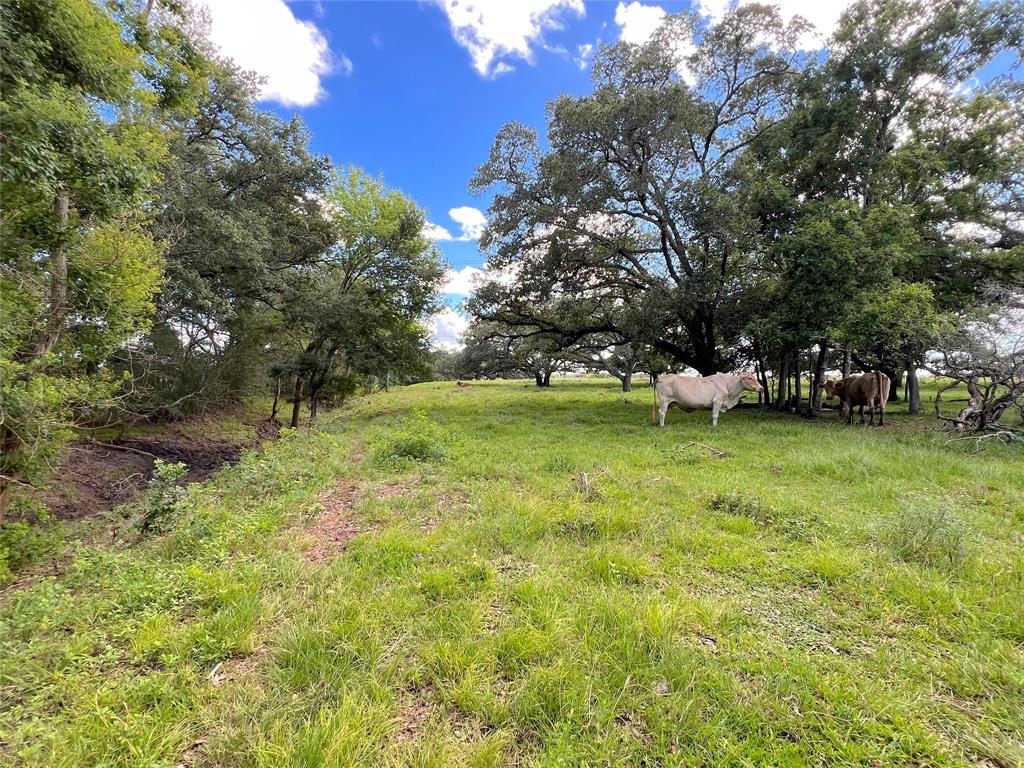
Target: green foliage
column 164, row 497
column 928, row 530
column 26, row 535
column 360, row 308
column 84, row 94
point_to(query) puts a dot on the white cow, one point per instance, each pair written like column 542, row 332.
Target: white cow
column 719, row 392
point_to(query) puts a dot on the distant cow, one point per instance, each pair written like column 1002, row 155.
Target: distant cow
column 719, row 392
column 870, row 389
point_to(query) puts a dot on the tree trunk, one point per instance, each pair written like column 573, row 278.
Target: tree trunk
column 627, row 380
column 915, row 389
column 538, row 376
column 762, row 376
column 547, row 377
column 314, row 404
column 896, row 384
column 819, row 375
column 799, row 380
column 846, row 363
column 277, row 398
column 387, row 381
column 782, row 395
column 296, row 402
column 58, row 280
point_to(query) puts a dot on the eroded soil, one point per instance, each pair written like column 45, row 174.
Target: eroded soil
column 97, row 476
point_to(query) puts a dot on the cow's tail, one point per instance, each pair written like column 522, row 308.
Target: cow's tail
column 883, row 388
column 654, row 408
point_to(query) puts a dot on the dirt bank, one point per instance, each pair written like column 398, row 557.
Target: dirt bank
column 96, row 476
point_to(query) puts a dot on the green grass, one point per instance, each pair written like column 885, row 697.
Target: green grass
column 542, row 578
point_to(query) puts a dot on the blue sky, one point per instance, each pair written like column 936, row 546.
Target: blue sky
column 415, row 90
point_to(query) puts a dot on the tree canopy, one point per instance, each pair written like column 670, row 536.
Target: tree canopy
column 745, row 203
column 167, row 245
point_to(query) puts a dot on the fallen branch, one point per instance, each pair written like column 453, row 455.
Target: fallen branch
column 713, row 451
column 127, row 448
column 1003, row 435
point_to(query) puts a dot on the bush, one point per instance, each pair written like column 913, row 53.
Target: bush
column 927, row 531
column 165, row 494
column 416, row 438
column 28, row 535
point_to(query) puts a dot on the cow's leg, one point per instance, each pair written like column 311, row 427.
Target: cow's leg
column 881, row 414
column 861, row 416
column 871, row 409
column 661, row 414
column 716, row 408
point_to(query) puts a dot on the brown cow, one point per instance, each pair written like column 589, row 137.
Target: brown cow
column 870, row 389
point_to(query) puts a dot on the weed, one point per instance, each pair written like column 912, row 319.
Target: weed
column 164, row 497
column 929, row 531
column 27, row 535
column 743, row 505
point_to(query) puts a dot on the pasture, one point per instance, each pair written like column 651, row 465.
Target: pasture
column 505, row 575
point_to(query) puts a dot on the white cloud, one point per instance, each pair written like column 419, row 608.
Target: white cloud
column 585, row 53
column 472, row 221
column 823, row 14
column 263, row 36
column 433, row 231
column 638, row 21
column 446, row 328
column 463, row 281
column 495, row 29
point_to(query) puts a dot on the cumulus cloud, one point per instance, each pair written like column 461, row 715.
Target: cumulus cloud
column 584, row 53
column 433, row 231
column 263, row 36
column 638, row 21
column 446, row 328
column 492, row 30
column 471, row 220
column 823, row 14
column 462, row 282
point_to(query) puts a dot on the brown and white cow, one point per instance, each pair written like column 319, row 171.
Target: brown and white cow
column 870, row 389
column 719, row 392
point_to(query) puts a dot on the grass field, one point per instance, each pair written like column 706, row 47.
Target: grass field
column 501, row 575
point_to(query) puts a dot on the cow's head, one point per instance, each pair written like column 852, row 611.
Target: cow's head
column 750, row 383
column 833, row 388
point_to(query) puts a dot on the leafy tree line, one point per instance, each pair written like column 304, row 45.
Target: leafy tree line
column 168, row 246
column 751, row 205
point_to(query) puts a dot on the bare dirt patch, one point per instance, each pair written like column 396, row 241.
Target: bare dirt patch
column 331, row 529
column 237, row 667
column 96, row 476
column 412, row 714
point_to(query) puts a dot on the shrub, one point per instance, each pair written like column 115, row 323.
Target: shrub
column 164, row 497
column 928, row 531
column 416, row 438
column 28, row 535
